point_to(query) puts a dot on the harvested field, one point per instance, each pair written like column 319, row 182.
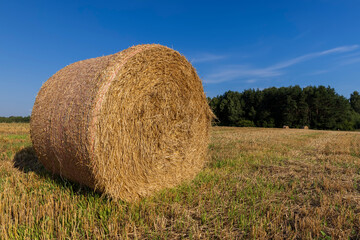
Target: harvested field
column 258, row 184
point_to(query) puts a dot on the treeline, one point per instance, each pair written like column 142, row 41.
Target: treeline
column 15, row 119
column 316, row 107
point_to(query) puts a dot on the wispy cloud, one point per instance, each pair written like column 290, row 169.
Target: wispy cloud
column 318, row 72
column 350, row 61
column 309, row 56
column 230, row 73
column 240, row 71
column 251, row 81
column 350, row 58
column 303, row 34
column 350, row 55
column 207, row 57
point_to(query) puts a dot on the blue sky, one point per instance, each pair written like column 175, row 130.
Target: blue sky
column 234, row 45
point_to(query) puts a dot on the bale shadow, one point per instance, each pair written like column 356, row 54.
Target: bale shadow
column 27, row 161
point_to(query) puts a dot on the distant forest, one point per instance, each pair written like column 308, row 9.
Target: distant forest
column 316, row 107
column 16, row 119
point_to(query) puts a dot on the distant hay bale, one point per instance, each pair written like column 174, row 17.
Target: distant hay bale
column 305, row 127
column 285, row 127
column 126, row 124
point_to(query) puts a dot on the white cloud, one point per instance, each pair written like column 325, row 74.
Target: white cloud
column 350, row 55
column 206, row 57
column 309, row 56
column 230, row 73
column 350, row 61
column 350, row 58
column 251, row 80
column 239, row 71
column 301, row 35
column 318, row 72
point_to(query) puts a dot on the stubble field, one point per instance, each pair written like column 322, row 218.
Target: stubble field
column 257, row 184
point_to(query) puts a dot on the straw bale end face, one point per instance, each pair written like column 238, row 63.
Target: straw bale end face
column 126, row 124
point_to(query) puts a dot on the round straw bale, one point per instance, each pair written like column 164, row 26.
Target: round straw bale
column 126, row 124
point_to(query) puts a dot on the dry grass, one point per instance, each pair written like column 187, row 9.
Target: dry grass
column 259, row 184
